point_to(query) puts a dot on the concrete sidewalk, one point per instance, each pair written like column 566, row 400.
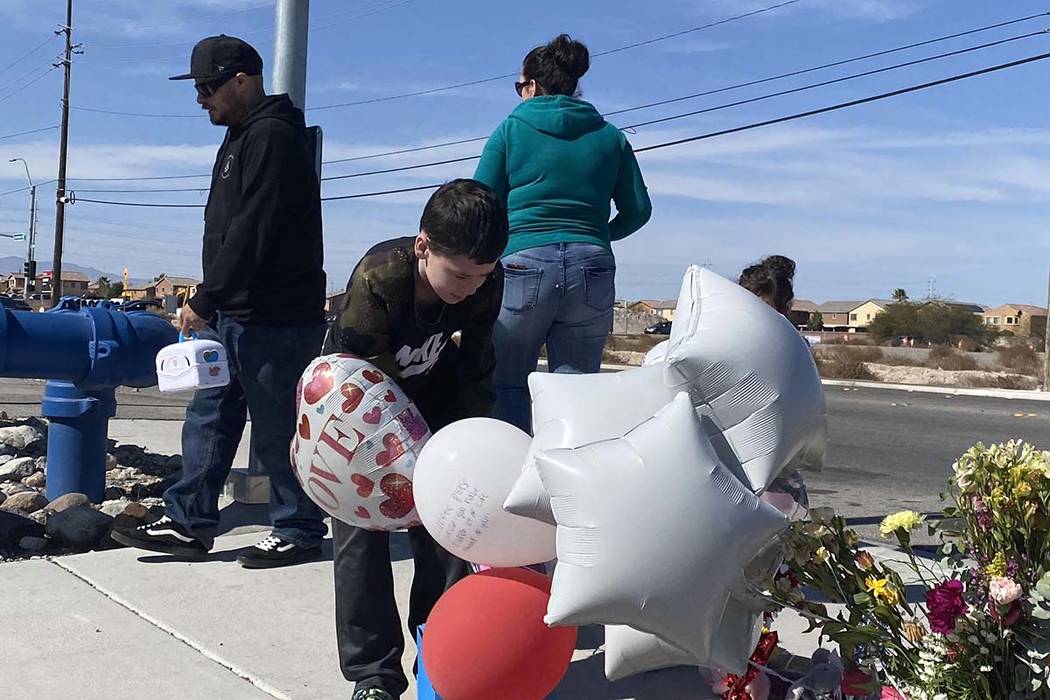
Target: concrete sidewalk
column 127, row 623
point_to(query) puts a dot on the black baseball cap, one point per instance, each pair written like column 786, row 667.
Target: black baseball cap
column 221, row 56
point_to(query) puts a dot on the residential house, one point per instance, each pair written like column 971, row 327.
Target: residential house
column 802, row 311
column 183, row 288
column 333, row 303
column 149, row 291
column 74, row 284
column 1023, row 320
column 836, row 314
column 664, row 308
column 861, row 317
column 13, row 284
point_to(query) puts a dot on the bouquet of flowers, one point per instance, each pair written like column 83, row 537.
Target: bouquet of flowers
column 983, row 631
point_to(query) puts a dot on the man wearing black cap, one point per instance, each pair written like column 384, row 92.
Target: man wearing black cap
column 263, row 298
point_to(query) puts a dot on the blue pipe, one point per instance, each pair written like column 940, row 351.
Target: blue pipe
column 86, row 352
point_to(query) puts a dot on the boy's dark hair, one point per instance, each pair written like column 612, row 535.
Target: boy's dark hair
column 557, row 66
column 465, row 217
column 772, row 279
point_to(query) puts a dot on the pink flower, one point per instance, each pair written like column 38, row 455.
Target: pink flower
column 889, row 693
column 1003, row 590
column 945, row 605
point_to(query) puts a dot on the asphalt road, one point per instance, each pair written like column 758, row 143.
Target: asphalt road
column 889, row 449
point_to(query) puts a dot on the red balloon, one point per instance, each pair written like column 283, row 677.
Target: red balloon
column 486, row 639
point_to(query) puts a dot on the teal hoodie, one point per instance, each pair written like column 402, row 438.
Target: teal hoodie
column 557, row 164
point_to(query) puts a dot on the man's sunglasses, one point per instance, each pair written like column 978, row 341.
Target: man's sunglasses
column 210, row 88
column 518, row 87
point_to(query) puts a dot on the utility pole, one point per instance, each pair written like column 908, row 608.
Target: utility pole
column 1046, row 345
column 60, row 194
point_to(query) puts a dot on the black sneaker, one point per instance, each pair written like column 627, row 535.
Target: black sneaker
column 273, row 551
column 372, row 693
column 164, row 535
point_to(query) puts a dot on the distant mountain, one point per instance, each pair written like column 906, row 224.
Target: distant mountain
column 12, row 263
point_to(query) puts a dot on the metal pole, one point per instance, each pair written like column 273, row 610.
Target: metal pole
column 60, row 195
column 292, row 25
column 1046, row 344
column 31, row 247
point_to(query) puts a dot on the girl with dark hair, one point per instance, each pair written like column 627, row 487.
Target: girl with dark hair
column 558, row 165
column 773, row 281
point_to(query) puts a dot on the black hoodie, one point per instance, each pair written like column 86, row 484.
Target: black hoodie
column 263, row 250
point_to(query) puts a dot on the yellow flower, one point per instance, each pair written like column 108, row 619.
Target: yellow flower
column 998, row 566
column 851, row 538
column 903, row 520
column 881, row 589
column 821, row 555
column 1023, row 490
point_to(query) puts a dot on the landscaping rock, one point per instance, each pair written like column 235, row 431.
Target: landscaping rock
column 111, row 462
column 32, row 544
column 67, row 501
column 27, row 501
column 36, row 480
column 13, row 527
column 41, row 463
column 114, row 493
column 40, row 516
column 137, row 511
column 6, row 458
column 115, row 507
column 3, row 497
column 12, row 487
column 20, row 436
column 17, row 469
column 7, row 451
column 79, row 527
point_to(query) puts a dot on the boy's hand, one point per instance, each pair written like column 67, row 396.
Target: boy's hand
column 190, row 321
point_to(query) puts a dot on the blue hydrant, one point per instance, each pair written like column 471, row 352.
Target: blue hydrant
column 86, row 352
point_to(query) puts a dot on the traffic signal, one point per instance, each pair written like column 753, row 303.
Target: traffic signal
column 30, row 270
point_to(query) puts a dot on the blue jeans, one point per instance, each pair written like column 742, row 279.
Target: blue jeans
column 265, row 366
column 560, row 295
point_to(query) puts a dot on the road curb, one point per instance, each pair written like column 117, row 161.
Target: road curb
column 944, row 390
column 1023, row 395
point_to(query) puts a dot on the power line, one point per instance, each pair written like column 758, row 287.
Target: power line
column 31, row 131
column 150, row 191
column 851, row 103
column 727, row 88
column 379, row 194
column 728, row 105
column 140, row 204
column 402, row 168
column 662, row 102
column 471, row 83
column 28, row 53
column 26, row 189
column 833, row 64
column 406, row 150
column 40, row 77
column 834, row 81
column 714, row 134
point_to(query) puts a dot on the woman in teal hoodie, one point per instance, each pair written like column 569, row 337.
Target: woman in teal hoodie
column 558, row 165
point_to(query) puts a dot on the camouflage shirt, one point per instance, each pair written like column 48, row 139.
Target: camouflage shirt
column 381, row 321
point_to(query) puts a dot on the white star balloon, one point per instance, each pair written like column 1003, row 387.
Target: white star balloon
column 653, row 531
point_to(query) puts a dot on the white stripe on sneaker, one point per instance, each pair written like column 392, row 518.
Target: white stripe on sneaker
column 173, row 533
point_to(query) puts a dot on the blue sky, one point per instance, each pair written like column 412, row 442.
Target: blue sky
column 951, row 184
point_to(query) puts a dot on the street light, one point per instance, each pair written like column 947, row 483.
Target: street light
column 14, row 236
column 30, row 266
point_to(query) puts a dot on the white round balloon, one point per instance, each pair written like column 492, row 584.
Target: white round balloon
column 356, row 444
column 462, row 478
